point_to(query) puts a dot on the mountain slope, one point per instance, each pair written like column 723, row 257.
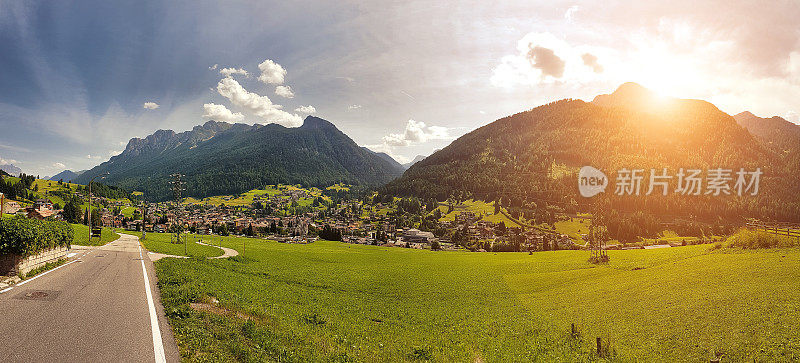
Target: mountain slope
column 775, row 131
column 397, row 166
column 417, row 159
column 219, row 158
column 515, row 158
column 66, row 175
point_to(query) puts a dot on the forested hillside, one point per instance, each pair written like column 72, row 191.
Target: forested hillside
column 530, row 159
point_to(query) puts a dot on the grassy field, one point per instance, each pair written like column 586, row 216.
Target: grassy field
column 574, row 227
column 478, row 207
column 247, row 198
column 162, row 243
column 329, row 301
column 82, row 236
column 339, row 187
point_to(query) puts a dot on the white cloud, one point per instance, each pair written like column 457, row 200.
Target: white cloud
column 306, row 109
column 271, row 72
column 416, row 132
column 7, row 161
column 792, row 116
column 545, row 58
column 284, row 91
column 212, row 111
column 227, row 72
column 353, row 107
column 260, row 106
column 93, row 157
column 59, row 166
column 570, row 13
column 214, row 67
column 150, row 105
column 383, row 148
column 114, row 152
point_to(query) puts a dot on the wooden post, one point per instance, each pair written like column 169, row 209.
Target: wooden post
column 599, row 347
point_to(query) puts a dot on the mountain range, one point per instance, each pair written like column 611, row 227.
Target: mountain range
column 219, row 158
column 531, row 159
column 10, row 169
column 66, row 175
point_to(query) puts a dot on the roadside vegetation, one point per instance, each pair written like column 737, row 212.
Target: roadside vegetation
column 329, row 301
column 43, row 268
column 25, row 237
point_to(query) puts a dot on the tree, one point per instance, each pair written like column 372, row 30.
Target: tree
column 96, row 221
column 222, row 230
column 71, row 213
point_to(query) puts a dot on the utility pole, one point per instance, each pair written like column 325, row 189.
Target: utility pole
column 89, row 214
column 144, row 219
column 177, row 190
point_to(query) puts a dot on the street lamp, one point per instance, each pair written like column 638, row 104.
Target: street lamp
column 89, row 213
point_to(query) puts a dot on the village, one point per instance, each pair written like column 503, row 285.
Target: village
column 299, row 215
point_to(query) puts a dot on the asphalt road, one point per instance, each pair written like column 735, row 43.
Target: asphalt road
column 94, row 309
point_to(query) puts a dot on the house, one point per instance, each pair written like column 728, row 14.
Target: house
column 39, row 214
column 11, row 207
column 414, row 235
column 42, row 204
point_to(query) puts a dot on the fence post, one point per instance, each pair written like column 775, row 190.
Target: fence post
column 599, row 347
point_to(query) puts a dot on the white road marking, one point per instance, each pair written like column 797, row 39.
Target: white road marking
column 158, row 345
column 71, row 254
column 36, row 277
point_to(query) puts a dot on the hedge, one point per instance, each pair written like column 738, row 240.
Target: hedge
column 26, row 237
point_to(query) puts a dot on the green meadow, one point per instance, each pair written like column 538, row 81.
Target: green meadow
column 477, row 207
column 247, row 198
column 81, row 237
column 329, row 301
column 162, row 243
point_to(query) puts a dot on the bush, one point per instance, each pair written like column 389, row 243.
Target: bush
column 748, row 239
column 26, row 237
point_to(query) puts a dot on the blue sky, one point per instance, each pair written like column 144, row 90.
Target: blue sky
column 405, row 77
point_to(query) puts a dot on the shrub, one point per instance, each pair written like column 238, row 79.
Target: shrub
column 421, row 353
column 748, row 239
column 26, row 237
